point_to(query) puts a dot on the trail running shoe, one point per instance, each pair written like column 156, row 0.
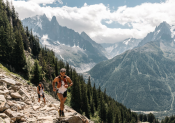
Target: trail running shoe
column 62, row 113
column 59, row 112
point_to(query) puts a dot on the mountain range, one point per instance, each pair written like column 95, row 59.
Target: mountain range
column 142, row 78
column 79, row 50
column 120, row 47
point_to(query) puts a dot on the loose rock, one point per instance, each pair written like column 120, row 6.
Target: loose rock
column 2, row 102
column 15, row 95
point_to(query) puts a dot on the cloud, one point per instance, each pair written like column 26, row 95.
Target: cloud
column 143, row 18
column 109, row 21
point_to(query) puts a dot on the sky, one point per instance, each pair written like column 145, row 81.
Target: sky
column 105, row 21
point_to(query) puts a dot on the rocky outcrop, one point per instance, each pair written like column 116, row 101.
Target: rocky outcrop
column 19, row 103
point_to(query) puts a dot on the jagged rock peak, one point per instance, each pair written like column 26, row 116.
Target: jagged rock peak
column 54, row 19
column 163, row 25
column 83, row 33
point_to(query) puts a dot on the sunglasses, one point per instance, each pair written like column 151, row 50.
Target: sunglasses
column 63, row 71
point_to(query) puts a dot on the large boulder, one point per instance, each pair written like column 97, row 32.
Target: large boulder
column 2, row 93
column 3, row 115
column 35, row 107
column 9, row 112
column 18, row 84
column 2, row 102
column 8, row 81
column 7, row 106
column 24, row 93
column 15, row 87
column 15, row 95
column 13, row 115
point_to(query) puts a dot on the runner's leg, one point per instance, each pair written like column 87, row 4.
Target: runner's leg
column 64, row 101
column 44, row 98
column 60, row 96
column 38, row 98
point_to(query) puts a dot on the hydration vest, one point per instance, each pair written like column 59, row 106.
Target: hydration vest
column 59, row 82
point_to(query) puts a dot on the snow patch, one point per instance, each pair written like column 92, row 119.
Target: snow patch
column 109, row 49
column 78, row 48
column 85, row 67
column 58, row 42
column 127, row 41
column 61, row 57
column 44, row 40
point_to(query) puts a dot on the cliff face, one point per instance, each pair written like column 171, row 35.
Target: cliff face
column 19, row 103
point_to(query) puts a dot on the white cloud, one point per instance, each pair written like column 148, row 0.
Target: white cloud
column 109, row 21
column 143, row 18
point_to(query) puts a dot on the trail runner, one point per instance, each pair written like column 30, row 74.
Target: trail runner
column 62, row 84
column 40, row 91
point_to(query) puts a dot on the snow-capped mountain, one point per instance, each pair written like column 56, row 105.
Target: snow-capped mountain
column 120, row 47
column 68, row 45
column 144, row 74
column 164, row 30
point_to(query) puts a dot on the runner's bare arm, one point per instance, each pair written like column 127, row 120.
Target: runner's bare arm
column 37, row 90
column 53, row 84
column 70, row 81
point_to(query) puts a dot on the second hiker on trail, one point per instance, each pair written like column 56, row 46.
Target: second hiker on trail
column 40, row 91
column 62, row 84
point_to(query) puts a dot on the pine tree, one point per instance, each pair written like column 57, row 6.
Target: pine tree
column 89, row 91
column 36, row 73
column 110, row 114
column 85, row 104
column 95, row 98
column 6, row 37
column 67, row 69
column 75, row 92
column 18, row 54
column 56, row 68
column 102, row 107
column 92, row 106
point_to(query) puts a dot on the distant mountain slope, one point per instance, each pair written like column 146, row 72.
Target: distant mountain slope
column 120, row 47
column 164, row 29
column 94, row 44
column 67, row 44
column 142, row 78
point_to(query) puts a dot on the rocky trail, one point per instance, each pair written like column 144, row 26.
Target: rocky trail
column 19, row 104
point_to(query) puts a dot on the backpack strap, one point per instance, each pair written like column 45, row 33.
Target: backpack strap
column 39, row 87
column 65, row 80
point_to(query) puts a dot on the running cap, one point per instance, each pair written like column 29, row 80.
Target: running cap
column 63, row 70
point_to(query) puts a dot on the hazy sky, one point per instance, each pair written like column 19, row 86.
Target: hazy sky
column 105, row 21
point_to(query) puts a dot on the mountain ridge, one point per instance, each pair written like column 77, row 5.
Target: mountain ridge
column 141, row 76
column 68, row 44
column 120, row 47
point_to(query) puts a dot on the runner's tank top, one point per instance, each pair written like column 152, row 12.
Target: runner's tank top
column 62, row 89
